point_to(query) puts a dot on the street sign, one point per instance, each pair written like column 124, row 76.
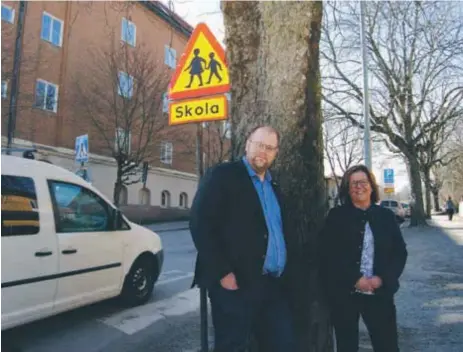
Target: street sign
column 388, row 189
column 202, row 69
column 81, row 149
column 389, row 176
column 198, row 110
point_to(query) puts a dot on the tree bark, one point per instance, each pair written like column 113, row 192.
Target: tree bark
column 417, row 211
column 427, row 187
column 435, row 195
column 273, row 58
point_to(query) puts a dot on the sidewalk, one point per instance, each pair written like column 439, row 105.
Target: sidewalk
column 430, row 301
column 169, row 226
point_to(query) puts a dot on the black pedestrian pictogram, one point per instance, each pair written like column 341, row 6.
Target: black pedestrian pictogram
column 196, row 68
column 213, row 65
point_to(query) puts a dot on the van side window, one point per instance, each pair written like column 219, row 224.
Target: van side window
column 20, row 213
column 77, row 209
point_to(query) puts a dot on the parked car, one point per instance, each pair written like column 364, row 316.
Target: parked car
column 407, row 209
column 64, row 245
column 396, row 208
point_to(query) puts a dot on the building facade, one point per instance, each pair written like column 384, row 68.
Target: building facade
column 61, row 45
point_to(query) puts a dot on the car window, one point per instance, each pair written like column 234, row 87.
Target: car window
column 404, row 205
column 77, row 209
column 394, row 203
column 384, row 203
column 20, row 213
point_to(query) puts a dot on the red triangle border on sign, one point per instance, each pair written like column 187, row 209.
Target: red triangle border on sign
column 200, row 28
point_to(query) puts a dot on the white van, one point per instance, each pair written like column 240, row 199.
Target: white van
column 64, row 245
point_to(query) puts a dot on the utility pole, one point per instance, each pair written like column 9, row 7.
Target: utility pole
column 202, row 290
column 15, row 77
column 366, row 103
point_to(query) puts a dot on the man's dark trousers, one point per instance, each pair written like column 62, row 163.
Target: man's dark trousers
column 260, row 309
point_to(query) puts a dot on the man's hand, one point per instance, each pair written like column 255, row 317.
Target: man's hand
column 364, row 285
column 228, row 282
column 376, row 282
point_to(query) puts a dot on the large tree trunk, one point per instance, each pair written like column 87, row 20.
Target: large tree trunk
column 435, row 194
column 427, row 188
column 273, row 57
column 417, row 208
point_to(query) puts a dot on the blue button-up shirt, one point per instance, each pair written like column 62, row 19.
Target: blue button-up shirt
column 275, row 259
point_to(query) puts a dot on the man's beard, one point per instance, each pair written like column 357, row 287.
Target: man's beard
column 260, row 166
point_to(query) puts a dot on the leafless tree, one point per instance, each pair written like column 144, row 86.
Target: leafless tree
column 343, row 146
column 216, row 143
column 415, row 64
column 120, row 92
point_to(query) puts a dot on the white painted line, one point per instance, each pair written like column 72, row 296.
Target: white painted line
column 168, row 281
column 135, row 319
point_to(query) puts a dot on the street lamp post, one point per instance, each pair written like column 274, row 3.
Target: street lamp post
column 366, row 104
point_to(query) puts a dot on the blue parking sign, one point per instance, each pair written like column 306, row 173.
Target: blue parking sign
column 81, row 150
column 388, row 176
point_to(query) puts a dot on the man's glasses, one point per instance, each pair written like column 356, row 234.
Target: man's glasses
column 266, row 147
column 361, row 183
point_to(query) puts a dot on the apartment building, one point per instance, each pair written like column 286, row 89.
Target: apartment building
column 66, row 46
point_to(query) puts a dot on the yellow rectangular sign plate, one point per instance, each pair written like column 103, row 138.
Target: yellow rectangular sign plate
column 198, row 110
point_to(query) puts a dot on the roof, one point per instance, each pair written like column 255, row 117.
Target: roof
column 169, row 16
column 18, row 166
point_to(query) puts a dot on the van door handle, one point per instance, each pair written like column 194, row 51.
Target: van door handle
column 43, row 254
column 69, row 251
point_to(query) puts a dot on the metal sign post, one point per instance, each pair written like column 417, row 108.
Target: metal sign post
column 202, row 290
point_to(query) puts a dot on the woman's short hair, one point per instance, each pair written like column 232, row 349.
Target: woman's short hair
column 344, row 195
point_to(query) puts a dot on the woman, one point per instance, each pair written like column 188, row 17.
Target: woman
column 363, row 255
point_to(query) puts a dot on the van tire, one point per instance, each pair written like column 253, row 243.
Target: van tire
column 139, row 282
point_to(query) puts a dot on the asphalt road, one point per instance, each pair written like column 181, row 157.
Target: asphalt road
column 429, row 305
column 170, row 319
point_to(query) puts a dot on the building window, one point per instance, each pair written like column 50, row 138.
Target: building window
column 129, row 32
column 167, row 149
column 125, row 85
column 170, row 56
column 52, row 29
column 183, row 201
column 165, row 199
column 46, row 95
column 20, row 213
column 4, row 89
column 7, row 14
column 123, row 141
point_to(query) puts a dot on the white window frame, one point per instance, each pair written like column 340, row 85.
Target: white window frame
column 50, row 36
column 4, row 89
column 11, row 20
column 121, row 132
column 167, row 153
column 169, row 55
column 44, row 105
column 119, row 88
column 124, row 36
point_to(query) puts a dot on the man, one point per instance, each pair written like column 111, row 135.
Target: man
column 238, row 229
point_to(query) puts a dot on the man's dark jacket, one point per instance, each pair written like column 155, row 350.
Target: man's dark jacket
column 228, row 226
column 341, row 248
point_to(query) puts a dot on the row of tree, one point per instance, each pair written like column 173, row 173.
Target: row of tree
column 415, row 63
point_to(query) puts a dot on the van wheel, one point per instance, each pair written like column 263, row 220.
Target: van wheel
column 139, row 282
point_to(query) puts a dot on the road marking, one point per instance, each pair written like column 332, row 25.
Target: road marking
column 168, row 281
column 135, row 319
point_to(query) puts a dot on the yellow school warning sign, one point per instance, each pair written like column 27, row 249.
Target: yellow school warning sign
column 202, row 69
column 198, row 110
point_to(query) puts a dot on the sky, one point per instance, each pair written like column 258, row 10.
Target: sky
column 197, row 11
